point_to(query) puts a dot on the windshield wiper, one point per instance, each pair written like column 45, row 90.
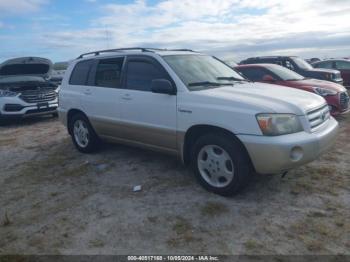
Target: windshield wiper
column 229, row 78
column 208, row 83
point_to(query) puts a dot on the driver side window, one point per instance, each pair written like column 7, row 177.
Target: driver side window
column 254, row 74
column 141, row 73
column 289, row 65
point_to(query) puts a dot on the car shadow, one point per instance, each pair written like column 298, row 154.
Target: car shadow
column 18, row 122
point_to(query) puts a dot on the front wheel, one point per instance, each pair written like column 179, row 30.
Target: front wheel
column 221, row 164
column 83, row 135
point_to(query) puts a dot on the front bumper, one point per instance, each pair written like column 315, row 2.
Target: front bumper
column 336, row 106
column 338, row 81
column 273, row 155
column 27, row 109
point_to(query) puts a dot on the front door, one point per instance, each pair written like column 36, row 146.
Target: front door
column 147, row 117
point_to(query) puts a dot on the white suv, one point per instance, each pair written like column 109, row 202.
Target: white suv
column 25, row 89
column 196, row 107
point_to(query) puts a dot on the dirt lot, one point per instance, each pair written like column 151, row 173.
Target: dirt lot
column 54, row 200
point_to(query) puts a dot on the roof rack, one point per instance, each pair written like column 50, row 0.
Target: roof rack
column 142, row 49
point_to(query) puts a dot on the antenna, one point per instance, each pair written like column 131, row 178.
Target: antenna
column 107, row 38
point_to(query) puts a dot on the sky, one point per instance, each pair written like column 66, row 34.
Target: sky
column 230, row 29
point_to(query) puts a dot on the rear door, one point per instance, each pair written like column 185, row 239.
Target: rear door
column 101, row 96
column 147, row 117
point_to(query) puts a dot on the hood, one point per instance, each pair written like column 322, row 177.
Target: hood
column 23, row 83
column 26, row 66
column 17, row 80
column 265, row 98
column 310, row 83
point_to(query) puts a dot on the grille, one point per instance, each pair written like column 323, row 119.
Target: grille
column 38, row 96
column 344, row 100
column 318, row 116
column 43, row 110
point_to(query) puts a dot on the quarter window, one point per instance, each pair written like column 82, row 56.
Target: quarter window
column 140, row 75
column 108, row 72
column 80, row 73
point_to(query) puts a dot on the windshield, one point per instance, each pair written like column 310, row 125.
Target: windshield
column 285, row 74
column 302, row 63
column 202, row 71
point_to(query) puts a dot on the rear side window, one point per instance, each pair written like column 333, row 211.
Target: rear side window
column 108, row 72
column 140, row 75
column 253, row 74
column 328, row 64
column 80, row 73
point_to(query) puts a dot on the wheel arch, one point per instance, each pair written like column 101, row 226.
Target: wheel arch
column 196, row 131
column 70, row 115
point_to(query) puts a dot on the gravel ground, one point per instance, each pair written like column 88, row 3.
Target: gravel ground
column 55, row 200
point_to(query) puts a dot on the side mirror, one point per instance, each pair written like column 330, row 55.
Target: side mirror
column 163, row 86
column 268, row 78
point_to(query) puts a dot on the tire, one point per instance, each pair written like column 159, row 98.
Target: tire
column 221, row 164
column 85, row 140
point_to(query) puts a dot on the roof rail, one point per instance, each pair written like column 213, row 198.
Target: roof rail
column 96, row 53
column 142, row 49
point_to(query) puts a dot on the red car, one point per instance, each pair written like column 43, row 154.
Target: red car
column 342, row 65
column 335, row 95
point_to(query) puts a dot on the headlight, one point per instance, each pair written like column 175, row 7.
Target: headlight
column 57, row 90
column 7, row 93
column 324, row 92
column 279, row 124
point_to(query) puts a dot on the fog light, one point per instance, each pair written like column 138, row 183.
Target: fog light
column 13, row 107
column 296, row 153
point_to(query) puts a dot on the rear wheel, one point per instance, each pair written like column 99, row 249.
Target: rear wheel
column 83, row 135
column 221, row 164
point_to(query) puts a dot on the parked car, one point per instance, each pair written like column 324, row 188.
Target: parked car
column 58, row 71
column 196, row 107
column 343, row 65
column 336, row 95
column 312, row 60
column 298, row 65
column 25, row 89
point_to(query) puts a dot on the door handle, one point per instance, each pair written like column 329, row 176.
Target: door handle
column 127, row 97
column 87, row 92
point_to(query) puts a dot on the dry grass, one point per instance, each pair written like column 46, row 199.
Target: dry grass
column 252, row 245
column 96, row 243
column 6, row 221
column 184, row 233
column 8, row 142
column 56, row 163
column 319, row 179
column 314, row 233
column 214, row 209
